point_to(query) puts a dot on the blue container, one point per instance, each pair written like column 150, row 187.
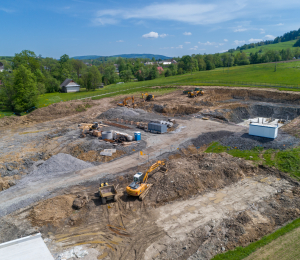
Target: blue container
column 157, row 128
column 137, row 136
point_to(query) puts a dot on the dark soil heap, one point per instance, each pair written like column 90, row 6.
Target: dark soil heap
column 198, row 174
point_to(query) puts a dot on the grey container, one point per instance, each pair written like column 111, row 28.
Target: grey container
column 157, row 128
column 107, row 135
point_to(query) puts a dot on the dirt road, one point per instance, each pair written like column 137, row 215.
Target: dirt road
column 33, row 188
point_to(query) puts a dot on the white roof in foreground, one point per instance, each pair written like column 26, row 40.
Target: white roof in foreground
column 264, row 125
column 25, row 248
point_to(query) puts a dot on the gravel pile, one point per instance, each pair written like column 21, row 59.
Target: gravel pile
column 243, row 141
column 61, row 163
column 210, row 137
column 137, row 115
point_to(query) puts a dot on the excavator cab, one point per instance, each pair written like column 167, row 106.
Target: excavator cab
column 137, row 179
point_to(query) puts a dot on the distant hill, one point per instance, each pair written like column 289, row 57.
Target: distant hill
column 287, row 37
column 270, row 47
column 133, row 56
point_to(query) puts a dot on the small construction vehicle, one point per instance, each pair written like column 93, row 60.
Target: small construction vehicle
column 139, row 187
column 125, row 104
column 195, row 93
column 147, row 97
column 107, row 192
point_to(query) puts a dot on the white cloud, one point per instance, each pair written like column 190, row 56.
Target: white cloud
column 163, row 35
column 7, row 10
column 139, row 45
column 262, row 31
column 199, row 12
column 120, row 41
column 150, row 35
column 187, row 42
column 279, row 24
column 240, row 30
column 207, row 43
column 270, row 37
column 225, row 40
column 179, row 47
column 194, row 48
column 193, row 13
column 223, row 51
column 104, row 21
column 238, row 42
column 221, row 44
column 255, row 40
column 187, row 33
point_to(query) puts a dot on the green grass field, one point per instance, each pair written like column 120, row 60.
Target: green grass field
column 287, row 77
column 273, row 47
column 285, row 160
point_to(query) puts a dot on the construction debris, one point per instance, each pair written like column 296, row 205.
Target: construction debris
column 80, row 201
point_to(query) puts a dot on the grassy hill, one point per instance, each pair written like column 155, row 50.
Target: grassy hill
column 265, row 48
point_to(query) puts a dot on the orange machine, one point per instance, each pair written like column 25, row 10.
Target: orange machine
column 139, row 187
column 125, row 104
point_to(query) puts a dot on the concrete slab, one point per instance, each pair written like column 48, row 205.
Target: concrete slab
column 25, row 248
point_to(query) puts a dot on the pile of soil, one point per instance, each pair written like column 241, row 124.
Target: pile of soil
column 177, row 110
column 293, row 128
column 53, row 111
column 196, row 174
column 94, row 156
column 8, row 181
column 52, row 211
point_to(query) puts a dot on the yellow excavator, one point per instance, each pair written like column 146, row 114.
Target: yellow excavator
column 139, row 187
column 147, row 97
column 125, row 104
column 195, row 93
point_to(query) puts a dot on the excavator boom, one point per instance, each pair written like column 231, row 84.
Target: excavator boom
column 152, row 168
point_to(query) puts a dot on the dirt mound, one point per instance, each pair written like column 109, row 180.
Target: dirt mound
column 293, row 127
column 52, row 211
column 177, row 110
column 196, row 174
column 262, row 95
column 50, row 112
column 8, row 181
column 94, row 156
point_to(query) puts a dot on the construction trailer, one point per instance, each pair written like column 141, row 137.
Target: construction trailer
column 263, row 130
column 157, row 128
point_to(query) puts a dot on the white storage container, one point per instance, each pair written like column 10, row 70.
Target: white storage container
column 263, row 130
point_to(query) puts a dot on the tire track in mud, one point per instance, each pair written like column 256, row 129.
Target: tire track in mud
column 123, row 230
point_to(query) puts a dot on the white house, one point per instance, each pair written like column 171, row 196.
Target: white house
column 69, row 86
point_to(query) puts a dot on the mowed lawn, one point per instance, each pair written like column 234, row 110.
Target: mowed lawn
column 286, row 247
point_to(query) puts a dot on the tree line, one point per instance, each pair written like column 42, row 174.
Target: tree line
column 289, row 36
column 27, row 75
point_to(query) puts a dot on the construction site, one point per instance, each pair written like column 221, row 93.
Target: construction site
column 128, row 177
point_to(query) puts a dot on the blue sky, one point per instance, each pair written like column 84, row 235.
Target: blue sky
column 110, row 27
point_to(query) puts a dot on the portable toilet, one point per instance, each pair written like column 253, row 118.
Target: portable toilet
column 137, row 136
